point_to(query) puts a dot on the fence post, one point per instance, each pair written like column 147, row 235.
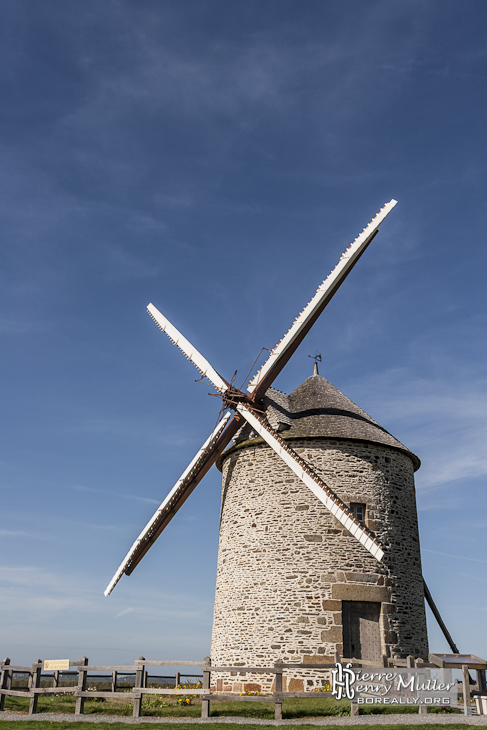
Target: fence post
column 422, row 709
column 467, row 707
column 5, row 681
column 177, row 679
column 481, row 683
column 55, row 679
column 114, row 680
column 139, row 682
column 34, row 683
column 82, row 680
column 278, row 694
column 205, row 704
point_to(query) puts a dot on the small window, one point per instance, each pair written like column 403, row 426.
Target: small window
column 358, row 511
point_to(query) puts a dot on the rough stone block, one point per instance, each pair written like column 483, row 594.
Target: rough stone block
column 362, row 577
column 334, row 633
column 295, row 685
column 317, row 659
column 332, row 605
column 373, row 525
column 328, row 577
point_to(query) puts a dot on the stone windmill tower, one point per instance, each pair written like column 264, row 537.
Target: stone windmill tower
column 319, row 545
column 292, row 582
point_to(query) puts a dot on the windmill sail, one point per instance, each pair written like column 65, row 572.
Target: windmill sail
column 187, row 348
column 303, row 323
column 229, row 425
column 304, row 472
column 186, row 483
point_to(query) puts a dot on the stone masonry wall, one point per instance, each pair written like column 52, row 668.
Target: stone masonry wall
column 285, row 564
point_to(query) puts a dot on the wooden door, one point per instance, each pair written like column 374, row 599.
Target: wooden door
column 361, row 634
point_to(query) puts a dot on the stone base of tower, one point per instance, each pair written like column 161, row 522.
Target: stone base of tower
column 303, row 680
column 355, row 603
column 294, row 585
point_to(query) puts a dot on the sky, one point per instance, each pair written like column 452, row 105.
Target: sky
column 216, row 159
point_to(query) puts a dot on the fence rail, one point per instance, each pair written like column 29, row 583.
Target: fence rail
column 140, row 689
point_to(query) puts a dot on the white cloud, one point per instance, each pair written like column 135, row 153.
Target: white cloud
column 442, row 420
column 458, row 557
column 33, row 593
column 21, row 533
column 113, row 494
column 124, row 612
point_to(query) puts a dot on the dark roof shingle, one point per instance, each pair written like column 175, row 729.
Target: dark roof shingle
column 317, row 409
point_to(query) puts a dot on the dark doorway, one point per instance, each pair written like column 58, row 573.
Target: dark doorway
column 361, row 634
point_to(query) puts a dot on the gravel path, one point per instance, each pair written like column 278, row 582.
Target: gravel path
column 360, row 720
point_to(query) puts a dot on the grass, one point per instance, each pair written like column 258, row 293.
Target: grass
column 165, row 706
column 45, row 725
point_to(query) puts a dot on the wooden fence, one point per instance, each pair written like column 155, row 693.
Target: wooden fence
column 140, row 689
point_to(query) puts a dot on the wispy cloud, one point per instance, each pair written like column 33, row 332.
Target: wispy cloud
column 440, row 419
column 132, row 428
column 105, row 528
column 18, row 325
column 129, row 263
column 30, row 590
column 82, row 488
column 124, row 612
column 21, row 533
column 457, row 557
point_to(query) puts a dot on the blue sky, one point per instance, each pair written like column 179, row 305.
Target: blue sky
column 216, row 159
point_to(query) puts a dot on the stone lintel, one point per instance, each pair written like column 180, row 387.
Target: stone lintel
column 360, row 592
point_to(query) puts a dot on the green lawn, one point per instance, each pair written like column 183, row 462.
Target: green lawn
column 44, row 725
column 166, row 706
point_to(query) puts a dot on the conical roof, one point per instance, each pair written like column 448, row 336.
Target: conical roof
column 317, row 409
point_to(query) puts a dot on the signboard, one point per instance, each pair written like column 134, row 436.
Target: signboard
column 56, row 664
column 383, row 686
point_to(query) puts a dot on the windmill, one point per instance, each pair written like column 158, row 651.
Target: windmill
column 360, row 590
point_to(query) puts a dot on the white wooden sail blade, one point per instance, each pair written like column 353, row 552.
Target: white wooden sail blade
column 304, row 472
column 189, row 350
column 188, row 480
column 303, row 323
